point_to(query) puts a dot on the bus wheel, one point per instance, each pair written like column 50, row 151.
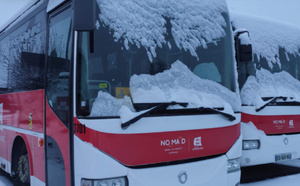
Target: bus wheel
column 21, row 166
column 23, row 169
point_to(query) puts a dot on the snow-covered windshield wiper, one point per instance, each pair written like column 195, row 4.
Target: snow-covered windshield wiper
column 272, row 100
column 216, row 111
column 157, row 107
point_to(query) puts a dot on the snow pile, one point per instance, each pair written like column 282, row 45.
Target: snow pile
column 143, row 23
column 107, row 105
column 268, row 36
column 250, row 131
column 181, row 85
column 176, row 84
column 266, row 84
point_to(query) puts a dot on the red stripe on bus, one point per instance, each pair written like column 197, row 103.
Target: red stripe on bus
column 159, row 147
column 274, row 124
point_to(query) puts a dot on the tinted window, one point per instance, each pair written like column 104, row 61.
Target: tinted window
column 59, row 55
column 22, row 57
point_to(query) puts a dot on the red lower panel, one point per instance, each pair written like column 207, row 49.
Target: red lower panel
column 274, row 124
column 60, row 134
column 150, row 148
column 21, row 114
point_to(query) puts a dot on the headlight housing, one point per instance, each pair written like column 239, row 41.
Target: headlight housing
column 233, row 165
column 120, row 181
column 251, row 144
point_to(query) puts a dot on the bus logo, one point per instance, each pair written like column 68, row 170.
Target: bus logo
column 197, row 142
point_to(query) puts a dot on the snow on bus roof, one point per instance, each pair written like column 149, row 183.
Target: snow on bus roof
column 143, row 22
column 268, row 36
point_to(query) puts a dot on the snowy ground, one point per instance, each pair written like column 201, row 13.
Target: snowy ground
column 4, row 181
column 291, row 180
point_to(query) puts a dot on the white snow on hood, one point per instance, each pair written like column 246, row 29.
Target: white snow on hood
column 181, row 85
column 266, row 84
column 143, row 23
column 268, row 36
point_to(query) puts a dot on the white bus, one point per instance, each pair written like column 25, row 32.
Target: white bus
column 270, row 89
column 123, row 92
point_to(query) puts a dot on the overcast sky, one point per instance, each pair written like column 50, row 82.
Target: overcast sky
column 9, row 8
column 283, row 10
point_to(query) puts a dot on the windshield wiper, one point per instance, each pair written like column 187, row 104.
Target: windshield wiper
column 215, row 111
column 272, row 100
column 160, row 107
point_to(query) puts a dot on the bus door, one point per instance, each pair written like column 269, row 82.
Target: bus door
column 58, row 97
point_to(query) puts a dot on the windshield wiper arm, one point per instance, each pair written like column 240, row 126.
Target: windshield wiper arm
column 272, row 100
column 212, row 110
column 158, row 107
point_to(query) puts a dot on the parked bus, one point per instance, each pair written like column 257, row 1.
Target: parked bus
column 123, row 92
column 270, row 89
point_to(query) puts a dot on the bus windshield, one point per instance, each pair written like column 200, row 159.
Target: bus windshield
column 106, row 65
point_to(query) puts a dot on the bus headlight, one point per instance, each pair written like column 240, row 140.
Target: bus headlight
column 251, row 144
column 121, row 181
column 233, row 165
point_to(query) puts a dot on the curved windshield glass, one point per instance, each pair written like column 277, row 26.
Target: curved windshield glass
column 106, row 65
column 288, row 63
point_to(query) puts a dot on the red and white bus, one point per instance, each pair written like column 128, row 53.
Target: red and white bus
column 270, row 89
column 123, row 92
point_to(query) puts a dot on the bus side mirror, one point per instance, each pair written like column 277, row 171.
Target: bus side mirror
column 243, row 47
column 84, row 16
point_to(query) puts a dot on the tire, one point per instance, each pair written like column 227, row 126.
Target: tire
column 22, row 168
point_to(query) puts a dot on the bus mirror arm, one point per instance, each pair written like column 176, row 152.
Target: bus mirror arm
column 91, row 41
column 243, row 46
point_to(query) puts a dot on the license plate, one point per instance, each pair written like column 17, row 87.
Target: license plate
column 283, row 157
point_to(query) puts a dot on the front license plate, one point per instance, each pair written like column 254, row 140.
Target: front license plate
column 283, row 157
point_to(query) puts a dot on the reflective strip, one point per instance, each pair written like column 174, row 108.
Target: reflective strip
column 23, row 131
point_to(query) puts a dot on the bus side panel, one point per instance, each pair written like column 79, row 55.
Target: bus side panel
column 23, row 116
column 23, row 110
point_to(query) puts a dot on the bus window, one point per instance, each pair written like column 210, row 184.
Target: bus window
column 59, row 55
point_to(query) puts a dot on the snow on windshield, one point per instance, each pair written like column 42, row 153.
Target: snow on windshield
column 143, row 22
column 176, row 84
column 181, row 85
column 268, row 36
column 266, row 84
